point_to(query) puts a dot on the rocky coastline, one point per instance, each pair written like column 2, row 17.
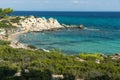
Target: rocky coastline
column 41, row 24
column 31, row 24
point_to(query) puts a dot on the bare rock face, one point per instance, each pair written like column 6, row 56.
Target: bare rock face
column 16, row 44
column 2, row 31
column 39, row 24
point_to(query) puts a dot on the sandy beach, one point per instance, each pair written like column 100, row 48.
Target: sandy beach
column 14, row 40
column 13, row 37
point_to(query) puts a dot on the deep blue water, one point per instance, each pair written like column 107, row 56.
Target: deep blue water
column 102, row 34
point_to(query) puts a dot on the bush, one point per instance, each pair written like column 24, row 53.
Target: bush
column 5, row 21
column 7, row 71
column 4, row 24
column 91, row 56
column 4, row 42
column 15, row 20
column 36, row 74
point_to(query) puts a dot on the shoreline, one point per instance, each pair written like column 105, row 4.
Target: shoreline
column 16, row 44
column 47, row 25
column 33, row 24
column 13, row 38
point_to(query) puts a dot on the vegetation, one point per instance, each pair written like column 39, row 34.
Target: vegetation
column 6, row 21
column 6, row 24
column 94, row 56
column 4, row 42
column 5, row 12
column 15, row 20
column 40, row 65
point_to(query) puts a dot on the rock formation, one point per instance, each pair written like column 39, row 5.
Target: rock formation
column 39, row 24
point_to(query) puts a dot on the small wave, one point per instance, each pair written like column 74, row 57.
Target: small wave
column 44, row 50
column 91, row 29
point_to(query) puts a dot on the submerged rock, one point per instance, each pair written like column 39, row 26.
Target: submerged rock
column 82, row 26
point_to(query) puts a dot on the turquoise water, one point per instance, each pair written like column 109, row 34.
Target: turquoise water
column 102, row 35
column 75, row 41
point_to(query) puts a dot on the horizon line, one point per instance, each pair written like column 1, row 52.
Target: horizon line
column 64, row 11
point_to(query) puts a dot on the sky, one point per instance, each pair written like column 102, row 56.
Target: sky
column 61, row 5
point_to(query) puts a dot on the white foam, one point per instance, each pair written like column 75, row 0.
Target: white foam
column 45, row 50
column 91, row 29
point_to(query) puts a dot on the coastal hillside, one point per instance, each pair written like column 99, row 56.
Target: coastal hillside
column 22, row 64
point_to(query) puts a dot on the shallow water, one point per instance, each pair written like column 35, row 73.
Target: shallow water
column 75, row 41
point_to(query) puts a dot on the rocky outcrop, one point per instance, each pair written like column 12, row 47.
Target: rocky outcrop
column 81, row 26
column 2, row 34
column 17, row 44
column 39, row 24
column 2, row 31
column 115, row 56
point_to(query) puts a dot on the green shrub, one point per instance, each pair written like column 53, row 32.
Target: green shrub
column 91, row 56
column 15, row 20
column 7, row 71
column 6, row 25
column 4, row 42
column 5, row 21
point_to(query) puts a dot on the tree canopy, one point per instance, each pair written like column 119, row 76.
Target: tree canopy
column 4, row 12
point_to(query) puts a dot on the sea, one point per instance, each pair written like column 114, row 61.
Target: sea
column 101, row 33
